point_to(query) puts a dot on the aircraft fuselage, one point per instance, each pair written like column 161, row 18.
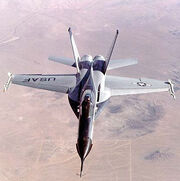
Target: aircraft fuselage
column 87, row 100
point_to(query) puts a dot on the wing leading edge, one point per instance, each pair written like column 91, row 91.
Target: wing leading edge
column 127, row 86
column 58, row 83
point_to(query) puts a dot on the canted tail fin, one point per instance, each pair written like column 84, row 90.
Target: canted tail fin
column 75, row 50
column 108, row 57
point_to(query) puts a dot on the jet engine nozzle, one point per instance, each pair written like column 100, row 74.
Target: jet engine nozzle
column 86, row 58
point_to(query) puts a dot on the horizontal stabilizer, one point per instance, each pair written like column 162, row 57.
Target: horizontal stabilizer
column 113, row 64
column 66, row 61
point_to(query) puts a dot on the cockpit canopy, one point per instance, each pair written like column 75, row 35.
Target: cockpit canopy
column 87, row 98
column 86, row 108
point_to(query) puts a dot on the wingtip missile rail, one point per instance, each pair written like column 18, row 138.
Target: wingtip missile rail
column 171, row 88
column 7, row 84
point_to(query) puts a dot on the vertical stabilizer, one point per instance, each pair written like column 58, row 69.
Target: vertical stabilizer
column 75, row 50
column 108, row 57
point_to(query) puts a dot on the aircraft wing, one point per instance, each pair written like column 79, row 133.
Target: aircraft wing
column 127, row 86
column 113, row 64
column 58, row 83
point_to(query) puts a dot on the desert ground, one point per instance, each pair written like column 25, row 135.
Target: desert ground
column 136, row 138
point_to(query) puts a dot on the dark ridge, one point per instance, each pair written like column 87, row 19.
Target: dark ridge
column 159, row 155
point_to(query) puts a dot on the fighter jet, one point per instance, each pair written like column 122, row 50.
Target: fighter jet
column 90, row 88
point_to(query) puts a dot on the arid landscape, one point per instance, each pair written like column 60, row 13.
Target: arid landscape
column 136, row 138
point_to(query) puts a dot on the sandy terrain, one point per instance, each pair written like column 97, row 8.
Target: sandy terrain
column 136, row 138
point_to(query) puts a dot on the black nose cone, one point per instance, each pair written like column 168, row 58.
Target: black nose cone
column 83, row 146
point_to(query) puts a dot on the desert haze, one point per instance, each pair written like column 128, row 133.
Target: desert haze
column 136, row 138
